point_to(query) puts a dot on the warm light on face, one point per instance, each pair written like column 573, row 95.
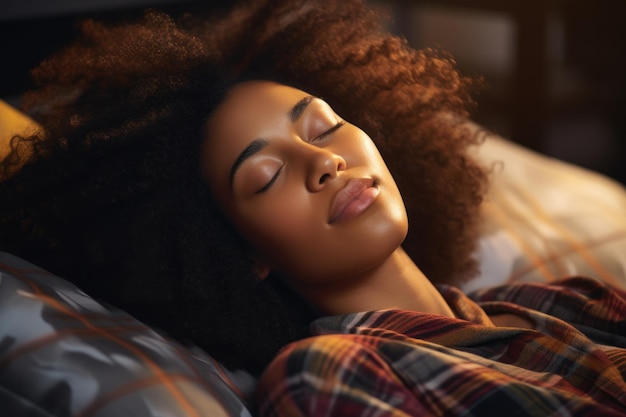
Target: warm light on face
column 307, row 189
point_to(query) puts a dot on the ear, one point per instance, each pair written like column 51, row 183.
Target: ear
column 261, row 269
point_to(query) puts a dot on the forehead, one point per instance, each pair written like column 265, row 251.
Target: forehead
column 251, row 110
column 262, row 98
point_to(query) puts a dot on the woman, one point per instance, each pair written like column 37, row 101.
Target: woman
column 310, row 193
column 315, row 200
column 117, row 193
column 230, row 190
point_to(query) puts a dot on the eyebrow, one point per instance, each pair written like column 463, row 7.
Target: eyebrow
column 297, row 110
column 257, row 145
column 253, row 148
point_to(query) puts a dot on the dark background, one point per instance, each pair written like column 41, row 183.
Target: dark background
column 555, row 71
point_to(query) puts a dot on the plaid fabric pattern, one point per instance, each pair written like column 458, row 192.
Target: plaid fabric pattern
column 401, row 363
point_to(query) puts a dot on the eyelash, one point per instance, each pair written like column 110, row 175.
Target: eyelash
column 271, row 182
column 318, row 137
column 329, row 131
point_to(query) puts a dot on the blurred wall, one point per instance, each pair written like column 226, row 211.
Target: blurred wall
column 555, row 71
column 28, row 9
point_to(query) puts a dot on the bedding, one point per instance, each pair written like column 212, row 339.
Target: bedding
column 403, row 363
column 13, row 121
column 544, row 219
column 62, row 352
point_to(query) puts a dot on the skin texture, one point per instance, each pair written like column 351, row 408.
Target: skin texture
column 282, row 199
column 288, row 224
column 112, row 194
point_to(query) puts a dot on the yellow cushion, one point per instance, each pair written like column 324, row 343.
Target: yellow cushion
column 13, row 122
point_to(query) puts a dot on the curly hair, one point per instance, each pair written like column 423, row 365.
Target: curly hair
column 110, row 194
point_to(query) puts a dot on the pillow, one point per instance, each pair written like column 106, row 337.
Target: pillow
column 544, row 219
column 63, row 353
column 12, row 122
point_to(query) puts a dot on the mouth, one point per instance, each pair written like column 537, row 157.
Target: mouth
column 353, row 199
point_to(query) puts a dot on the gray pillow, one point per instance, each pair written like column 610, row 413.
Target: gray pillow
column 62, row 353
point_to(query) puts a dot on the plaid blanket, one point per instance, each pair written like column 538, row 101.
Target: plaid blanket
column 402, row 363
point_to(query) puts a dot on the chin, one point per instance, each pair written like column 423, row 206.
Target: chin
column 386, row 236
column 391, row 224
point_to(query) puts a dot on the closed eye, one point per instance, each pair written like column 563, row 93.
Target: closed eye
column 329, row 131
column 271, row 182
column 318, row 137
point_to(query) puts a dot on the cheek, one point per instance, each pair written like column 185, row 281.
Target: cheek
column 285, row 225
column 358, row 150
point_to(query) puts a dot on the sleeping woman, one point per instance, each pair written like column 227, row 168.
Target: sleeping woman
column 243, row 193
column 309, row 190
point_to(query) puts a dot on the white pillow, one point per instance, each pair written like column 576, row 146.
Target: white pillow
column 545, row 219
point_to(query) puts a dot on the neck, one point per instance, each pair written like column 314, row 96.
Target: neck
column 397, row 283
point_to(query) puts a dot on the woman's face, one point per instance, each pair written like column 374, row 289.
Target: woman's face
column 308, row 190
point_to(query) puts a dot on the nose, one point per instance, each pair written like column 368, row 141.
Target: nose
column 324, row 165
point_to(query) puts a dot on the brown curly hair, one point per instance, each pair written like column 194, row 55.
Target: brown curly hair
column 110, row 195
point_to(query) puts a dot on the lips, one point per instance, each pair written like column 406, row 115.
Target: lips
column 353, row 199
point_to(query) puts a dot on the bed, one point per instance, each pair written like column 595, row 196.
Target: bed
column 63, row 353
